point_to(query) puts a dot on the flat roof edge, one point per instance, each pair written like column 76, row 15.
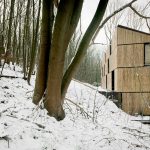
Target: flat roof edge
column 124, row 27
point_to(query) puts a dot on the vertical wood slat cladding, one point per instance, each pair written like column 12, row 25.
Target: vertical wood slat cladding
column 127, row 36
column 128, row 59
column 136, row 103
column 103, row 82
column 130, row 55
column 109, row 85
column 113, row 61
column 133, row 79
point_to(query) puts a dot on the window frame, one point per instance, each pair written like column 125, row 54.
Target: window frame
column 145, row 64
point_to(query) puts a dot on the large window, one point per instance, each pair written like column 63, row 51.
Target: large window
column 147, row 53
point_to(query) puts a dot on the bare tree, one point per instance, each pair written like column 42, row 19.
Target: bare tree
column 34, row 43
column 10, row 24
column 56, row 84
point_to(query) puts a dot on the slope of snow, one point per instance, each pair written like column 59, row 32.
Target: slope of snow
column 92, row 122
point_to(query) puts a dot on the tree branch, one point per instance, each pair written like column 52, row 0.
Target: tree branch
column 148, row 25
column 140, row 15
column 82, row 110
column 110, row 16
column 82, row 49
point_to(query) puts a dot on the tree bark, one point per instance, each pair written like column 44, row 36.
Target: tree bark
column 46, row 35
column 65, row 24
column 26, row 38
column 4, row 16
column 10, row 23
column 34, row 45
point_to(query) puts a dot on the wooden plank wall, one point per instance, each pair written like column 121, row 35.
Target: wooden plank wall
column 109, row 82
column 103, row 58
column 133, row 79
column 130, row 55
column 127, row 36
column 133, row 103
column 103, row 83
column 114, row 41
column 113, row 61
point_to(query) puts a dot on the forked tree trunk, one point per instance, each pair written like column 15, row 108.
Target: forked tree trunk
column 65, row 24
column 45, row 43
column 53, row 81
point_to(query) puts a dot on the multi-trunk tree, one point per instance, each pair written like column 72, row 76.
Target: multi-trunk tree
column 51, row 81
column 20, row 26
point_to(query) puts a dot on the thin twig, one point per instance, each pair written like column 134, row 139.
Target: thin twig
column 140, row 15
column 39, row 125
column 78, row 107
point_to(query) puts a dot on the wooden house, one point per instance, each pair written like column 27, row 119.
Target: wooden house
column 126, row 69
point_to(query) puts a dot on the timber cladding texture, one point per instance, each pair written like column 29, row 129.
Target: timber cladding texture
column 127, row 36
column 130, row 55
column 109, row 83
column 127, row 69
column 112, row 62
column 136, row 103
column 133, row 79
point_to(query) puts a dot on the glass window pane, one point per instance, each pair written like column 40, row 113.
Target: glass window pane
column 147, row 54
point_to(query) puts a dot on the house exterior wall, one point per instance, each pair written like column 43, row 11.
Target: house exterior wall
column 130, row 55
column 131, row 76
column 133, row 79
column 136, row 103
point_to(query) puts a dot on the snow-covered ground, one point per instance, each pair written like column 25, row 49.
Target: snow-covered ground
column 92, row 122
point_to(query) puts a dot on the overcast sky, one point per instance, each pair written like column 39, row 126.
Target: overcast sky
column 89, row 8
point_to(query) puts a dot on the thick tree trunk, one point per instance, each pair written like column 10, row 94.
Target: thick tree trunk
column 46, row 35
column 81, row 52
column 65, row 24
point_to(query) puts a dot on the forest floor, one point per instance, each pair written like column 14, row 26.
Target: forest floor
column 92, row 122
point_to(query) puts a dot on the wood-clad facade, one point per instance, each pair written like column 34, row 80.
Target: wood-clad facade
column 126, row 69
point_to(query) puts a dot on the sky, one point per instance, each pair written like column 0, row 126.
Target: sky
column 89, row 8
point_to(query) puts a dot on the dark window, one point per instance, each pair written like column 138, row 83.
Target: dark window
column 147, row 53
column 110, row 49
column 113, row 80
column 106, row 81
column 108, row 65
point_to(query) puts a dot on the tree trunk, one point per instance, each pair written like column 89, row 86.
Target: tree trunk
column 26, row 38
column 10, row 24
column 4, row 15
column 14, row 43
column 46, row 35
column 34, row 44
column 65, row 24
column 53, row 83
column 81, row 52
